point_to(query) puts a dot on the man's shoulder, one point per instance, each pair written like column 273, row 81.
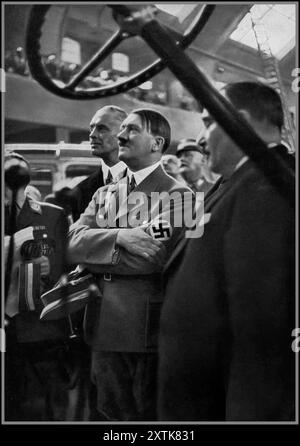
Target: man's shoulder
column 45, row 209
column 251, row 185
column 37, row 210
column 49, row 208
column 169, row 183
column 95, row 179
column 247, row 175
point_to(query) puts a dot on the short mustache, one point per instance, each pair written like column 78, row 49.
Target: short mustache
column 96, row 141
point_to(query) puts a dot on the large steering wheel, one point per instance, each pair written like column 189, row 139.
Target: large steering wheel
column 167, row 44
column 72, row 89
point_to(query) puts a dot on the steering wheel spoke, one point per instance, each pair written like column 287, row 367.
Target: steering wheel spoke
column 68, row 89
column 101, row 54
column 173, row 32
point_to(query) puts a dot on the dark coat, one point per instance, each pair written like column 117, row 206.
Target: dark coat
column 84, row 191
column 225, row 339
column 50, row 220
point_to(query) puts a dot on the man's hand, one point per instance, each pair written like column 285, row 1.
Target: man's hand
column 137, row 242
column 45, row 265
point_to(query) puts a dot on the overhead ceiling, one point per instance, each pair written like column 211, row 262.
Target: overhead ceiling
column 93, row 23
column 97, row 25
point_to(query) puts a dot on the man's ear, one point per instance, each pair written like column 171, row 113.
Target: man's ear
column 159, row 143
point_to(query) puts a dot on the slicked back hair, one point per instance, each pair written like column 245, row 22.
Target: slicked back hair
column 118, row 111
column 261, row 101
column 156, row 124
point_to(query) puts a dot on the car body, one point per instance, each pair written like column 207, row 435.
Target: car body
column 54, row 166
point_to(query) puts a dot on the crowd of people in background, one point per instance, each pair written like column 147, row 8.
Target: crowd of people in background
column 62, row 71
column 176, row 328
column 15, row 62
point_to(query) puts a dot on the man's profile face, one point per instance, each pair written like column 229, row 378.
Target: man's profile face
column 190, row 162
column 170, row 164
column 104, row 127
column 135, row 142
column 219, row 146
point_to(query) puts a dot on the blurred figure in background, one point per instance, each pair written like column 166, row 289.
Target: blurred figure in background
column 9, row 62
column 189, row 152
column 52, row 66
column 20, row 62
column 65, row 199
column 35, row 234
column 33, row 192
column 171, row 164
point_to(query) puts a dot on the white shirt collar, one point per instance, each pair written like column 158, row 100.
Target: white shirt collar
column 241, row 162
column 275, row 144
column 272, row 144
column 245, row 158
column 140, row 175
column 114, row 170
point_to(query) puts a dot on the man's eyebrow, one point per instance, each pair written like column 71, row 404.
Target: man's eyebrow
column 130, row 126
column 103, row 126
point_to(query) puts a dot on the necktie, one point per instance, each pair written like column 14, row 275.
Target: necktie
column 109, row 178
column 193, row 186
column 10, row 224
column 132, row 184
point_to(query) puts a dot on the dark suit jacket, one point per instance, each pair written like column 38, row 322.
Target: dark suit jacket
column 84, row 191
column 225, row 339
column 50, row 220
column 129, row 316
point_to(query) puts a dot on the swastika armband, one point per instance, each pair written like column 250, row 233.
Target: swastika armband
column 160, row 230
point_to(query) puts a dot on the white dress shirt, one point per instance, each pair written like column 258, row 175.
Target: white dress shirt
column 115, row 170
column 241, row 162
column 140, row 175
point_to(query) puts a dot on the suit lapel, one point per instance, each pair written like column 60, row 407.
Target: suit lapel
column 25, row 217
column 213, row 188
column 216, row 193
column 108, row 196
column 150, row 184
column 96, row 179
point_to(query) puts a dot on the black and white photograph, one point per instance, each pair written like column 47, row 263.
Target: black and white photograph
column 149, row 216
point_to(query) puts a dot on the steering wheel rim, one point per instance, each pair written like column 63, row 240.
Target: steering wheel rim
column 39, row 73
